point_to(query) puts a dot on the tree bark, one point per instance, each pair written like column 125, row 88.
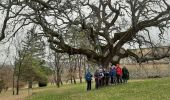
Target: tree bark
column 30, row 84
column 55, row 79
column 80, row 71
column 74, row 79
column 58, row 78
column 13, row 84
column 18, row 79
column 17, row 87
column 61, row 82
column 71, row 80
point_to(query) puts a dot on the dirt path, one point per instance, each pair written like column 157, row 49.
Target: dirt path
column 22, row 95
column 8, row 96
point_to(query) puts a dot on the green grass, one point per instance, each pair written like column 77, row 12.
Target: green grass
column 149, row 89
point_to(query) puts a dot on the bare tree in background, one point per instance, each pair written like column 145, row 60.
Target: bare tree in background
column 72, row 69
column 80, row 65
column 17, row 74
column 107, row 25
column 56, row 65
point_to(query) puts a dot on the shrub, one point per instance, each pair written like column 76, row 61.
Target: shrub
column 42, row 83
column 156, row 76
column 1, row 85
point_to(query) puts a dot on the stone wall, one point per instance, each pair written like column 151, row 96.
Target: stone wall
column 148, row 70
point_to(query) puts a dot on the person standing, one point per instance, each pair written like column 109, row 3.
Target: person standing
column 88, row 78
column 106, row 77
column 125, row 75
column 119, row 73
column 97, row 78
column 101, row 79
column 113, row 74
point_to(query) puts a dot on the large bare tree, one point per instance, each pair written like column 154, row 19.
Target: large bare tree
column 104, row 25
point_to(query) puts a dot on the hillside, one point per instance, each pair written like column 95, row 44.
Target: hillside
column 149, row 89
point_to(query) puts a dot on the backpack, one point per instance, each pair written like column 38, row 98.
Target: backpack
column 88, row 77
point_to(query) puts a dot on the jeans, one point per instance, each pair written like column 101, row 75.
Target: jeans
column 89, row 85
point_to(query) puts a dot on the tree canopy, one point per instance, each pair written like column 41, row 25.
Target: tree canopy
column 104, row 26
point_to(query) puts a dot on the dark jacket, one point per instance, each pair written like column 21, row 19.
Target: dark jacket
column 88, row 76
column 125, row 73
column 97, row 75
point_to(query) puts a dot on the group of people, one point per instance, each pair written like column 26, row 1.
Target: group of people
column 103, row 77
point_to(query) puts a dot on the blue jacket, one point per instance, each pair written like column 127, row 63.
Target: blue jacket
column 88, row 76
column 113, row 73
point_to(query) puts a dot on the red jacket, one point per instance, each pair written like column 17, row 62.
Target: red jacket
column 118, row 70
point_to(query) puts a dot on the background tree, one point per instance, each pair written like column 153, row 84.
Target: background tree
column 31, row 70
column 29, row 59
column 5, row 77
column 56, row 65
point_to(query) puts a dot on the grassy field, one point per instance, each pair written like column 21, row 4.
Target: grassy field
column 149, row 89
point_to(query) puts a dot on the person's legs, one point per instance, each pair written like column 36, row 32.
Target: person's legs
column 114, row 80
column 121, row 81
column 111, row 80
column 107, row 81
column 97, row 83
column 103, row 81
column 90, row 85
column 124, row 80
column 127, row 77
column 100, row 82
column 87, row 85
column 118, row 78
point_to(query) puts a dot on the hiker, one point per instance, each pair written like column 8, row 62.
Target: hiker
column 97, row 78
column 118, row 73
column 106, row 77
column 88, row 78
column 101, row 79
column 125, row 75
column 113, row 74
